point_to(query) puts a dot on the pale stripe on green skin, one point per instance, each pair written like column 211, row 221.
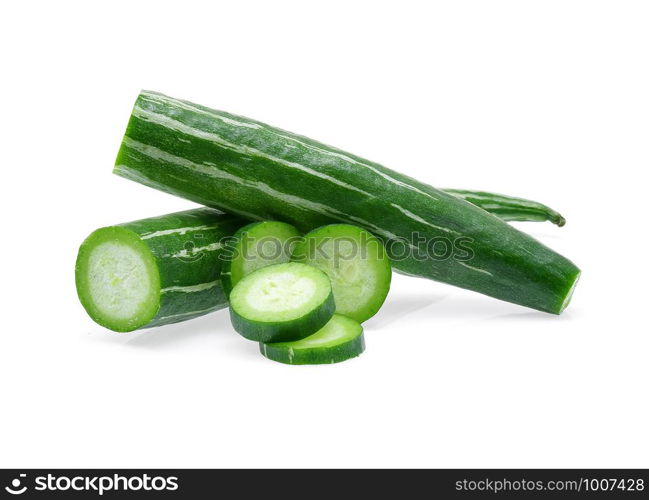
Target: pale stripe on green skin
column 254, row 170
column 178, row 288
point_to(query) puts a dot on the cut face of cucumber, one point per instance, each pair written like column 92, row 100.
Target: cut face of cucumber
column 282, row 302
column 356, row 263
column 118, row 281
column 255, row 246
column 340, row 339
column 154, row 271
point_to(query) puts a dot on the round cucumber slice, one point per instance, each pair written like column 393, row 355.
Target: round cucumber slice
column 282, row 302
column 356, row 263
column 340, row 339
column 255, row 246
column 117, row 279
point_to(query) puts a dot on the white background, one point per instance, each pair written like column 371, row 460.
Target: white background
column 547, row 100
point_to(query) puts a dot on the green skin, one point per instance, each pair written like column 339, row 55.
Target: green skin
column 281, row 331
column 260, row 172
column 191, row 268
column 355, row 297
column 509, row 208
column 241, row 256
column 297, row 353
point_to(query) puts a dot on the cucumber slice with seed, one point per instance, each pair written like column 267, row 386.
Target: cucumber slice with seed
column 282, row 302
column 254, row 246
column 340, row 339
column 356, row 263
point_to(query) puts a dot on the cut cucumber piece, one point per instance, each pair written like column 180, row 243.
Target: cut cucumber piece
column 254, row 246
column 356, row 263
column 154, row 271
column 282, row 302
column 340, row 339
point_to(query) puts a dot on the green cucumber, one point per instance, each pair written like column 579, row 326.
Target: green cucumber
column 254, row 246
column 282, row 302
column 193, row 242
column 356, row 263
column 340, row 339
column 510, row 208
column 154, row 271
column 263, row 173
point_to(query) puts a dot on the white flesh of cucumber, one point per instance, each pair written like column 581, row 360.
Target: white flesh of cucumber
column 119, row 284
column 279, row 296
